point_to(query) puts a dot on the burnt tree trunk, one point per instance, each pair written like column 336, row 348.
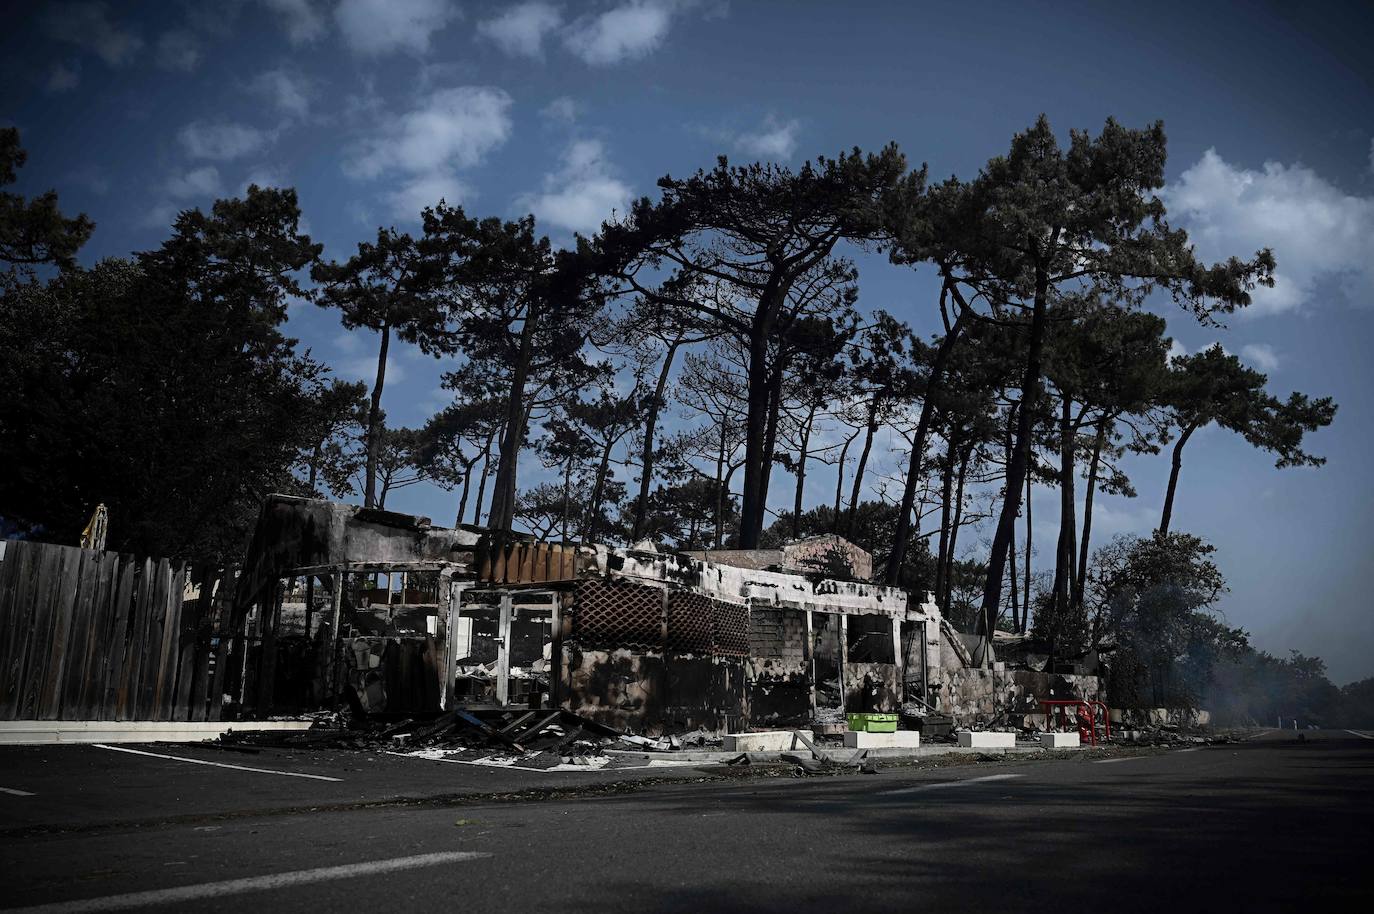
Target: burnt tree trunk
column 1081, row 579
column 1066, row 551
column 870, row 430
column 759, row 383
column 901, row 539
column 958, row 521
column 646, row 461
column 1016, row 473
column 502, row 513
column 770, row 436
column 374, row 422
column 1176, row 465
column 803, row 451
column 839, row 484
column 946, row 512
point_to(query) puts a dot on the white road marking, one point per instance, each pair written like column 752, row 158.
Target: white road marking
column 1360, row 735
column 1124, row 758
column 17, row 793
column 1194, row 749
column 197, row 761
column 942, row 784
column 188, row 893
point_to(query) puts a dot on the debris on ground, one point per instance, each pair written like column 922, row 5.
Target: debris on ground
column 544, row 739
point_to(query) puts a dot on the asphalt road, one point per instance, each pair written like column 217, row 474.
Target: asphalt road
column 1270, row 824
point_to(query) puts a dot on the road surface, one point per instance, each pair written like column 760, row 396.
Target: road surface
column 1268, row 824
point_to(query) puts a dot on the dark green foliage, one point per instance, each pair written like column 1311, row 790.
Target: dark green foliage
column 522, row 314
column 162, row 386
column 747, row 252
column 1213, row 386
column 33, row 232
column 1151, row 600
column 390, row 286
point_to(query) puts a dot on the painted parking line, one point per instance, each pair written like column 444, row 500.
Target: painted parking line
column 183, row 894
column 198, row 761
column 1360, row 735
column 17, row 793
column 920, row 788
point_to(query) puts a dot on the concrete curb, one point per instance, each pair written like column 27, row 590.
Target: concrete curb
column 48, row 732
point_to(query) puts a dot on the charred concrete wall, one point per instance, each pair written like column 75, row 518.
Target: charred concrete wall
column 975, row 697
column 655, row 692
column 779, row 677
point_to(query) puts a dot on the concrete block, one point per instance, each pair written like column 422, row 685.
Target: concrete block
column 1059, row 740
column 765, row 741
column 986, row 740
column 901, row 739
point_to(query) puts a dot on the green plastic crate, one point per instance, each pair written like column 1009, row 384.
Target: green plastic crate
column 873, row 723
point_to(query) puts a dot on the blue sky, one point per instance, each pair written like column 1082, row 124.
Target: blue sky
column 372, row 109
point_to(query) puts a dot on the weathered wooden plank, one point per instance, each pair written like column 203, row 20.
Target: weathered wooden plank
column 186, row 644
column 22, row 605
column 164, row 690
column 201, row 697
column 11, row 612
column 47, row 591
column 121, row 605
column 98, row 644
column 74, row 563
column 78, row 637
column 152, row 641
column 9, row 573
column 126, row 707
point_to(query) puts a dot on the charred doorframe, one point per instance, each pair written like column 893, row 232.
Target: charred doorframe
column 338, row 573
column 509, row 606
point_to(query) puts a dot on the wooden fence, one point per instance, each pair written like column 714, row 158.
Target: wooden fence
column 88, row 635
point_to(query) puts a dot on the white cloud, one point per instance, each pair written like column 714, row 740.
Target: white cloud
column 223, row 140
column 1371, row 154
column 303, row 19
column 194, row 184
column 178, row 50
column 448, row 131
column 410, row 199
column 1262, row 355
column 562, row 110
column 290, row 92
column 520, row 30
column 1319, row 234
column 582, row 193
column 773, row 139
column 450, row 128
column 88, row 25
column 64, row 77
column 265, row 176
column 626, row 32
column 1176, row 350
column 364, row 368
column 383, row 26
column 93, row 178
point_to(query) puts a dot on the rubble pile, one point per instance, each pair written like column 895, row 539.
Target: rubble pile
column 532, row 739
column 1168, row 735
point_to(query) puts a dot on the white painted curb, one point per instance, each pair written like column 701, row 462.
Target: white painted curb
column 48, row 732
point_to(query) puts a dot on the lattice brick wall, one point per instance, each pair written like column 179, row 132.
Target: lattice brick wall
column 612, row 613
column 729, row 629
column 689, row 622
